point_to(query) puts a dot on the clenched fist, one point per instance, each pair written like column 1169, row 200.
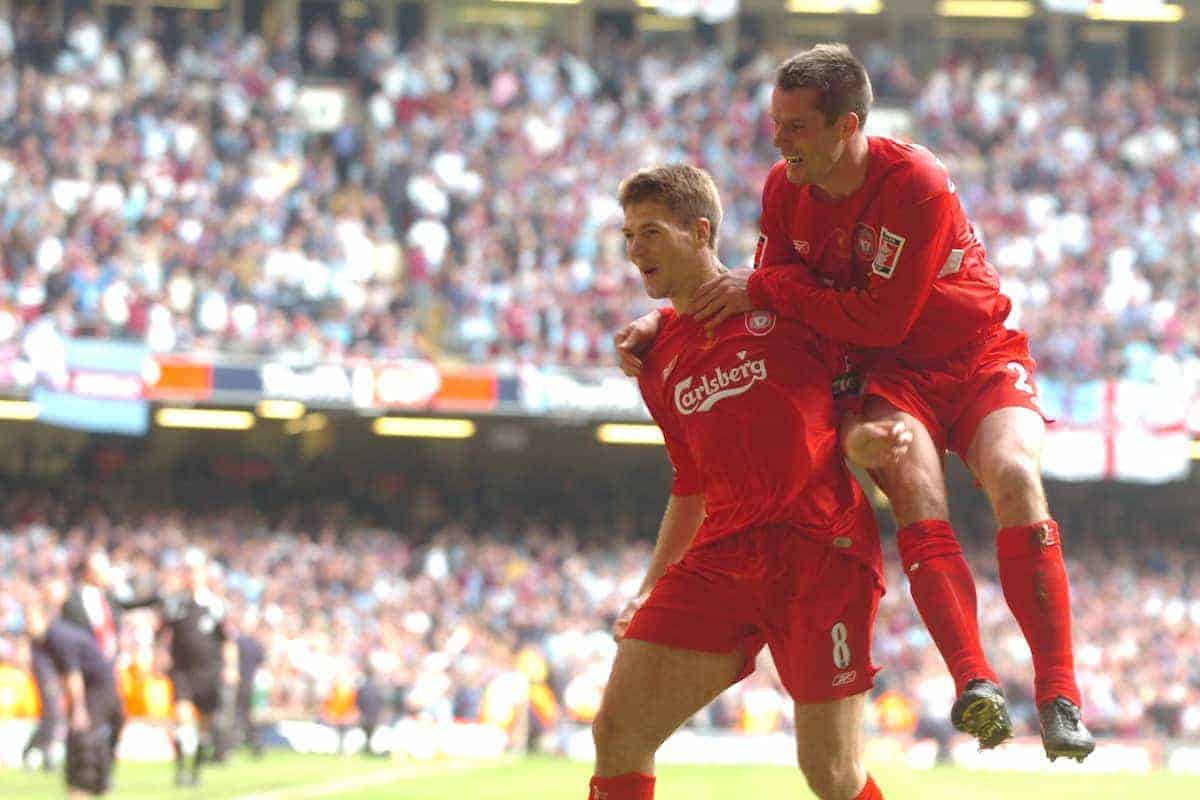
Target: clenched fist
column 872, row 445
column 626, row 615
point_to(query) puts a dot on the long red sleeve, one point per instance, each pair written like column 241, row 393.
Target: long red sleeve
column 908, row 261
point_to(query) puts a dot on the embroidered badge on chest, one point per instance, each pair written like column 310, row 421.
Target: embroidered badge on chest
column 760, row 323
column 864, row 241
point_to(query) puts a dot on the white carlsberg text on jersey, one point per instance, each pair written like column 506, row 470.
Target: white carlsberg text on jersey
column 718, row 385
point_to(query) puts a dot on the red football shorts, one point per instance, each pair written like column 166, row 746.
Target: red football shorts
column 952, row 397
column 811, row 604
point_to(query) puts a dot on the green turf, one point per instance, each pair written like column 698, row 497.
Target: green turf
column 293, row 776
column 239, row 777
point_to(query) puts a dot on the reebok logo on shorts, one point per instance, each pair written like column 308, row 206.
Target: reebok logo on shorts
column 845, row 678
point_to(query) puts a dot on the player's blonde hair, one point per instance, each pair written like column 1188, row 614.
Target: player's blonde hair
column 688, row 192
column 840, row 79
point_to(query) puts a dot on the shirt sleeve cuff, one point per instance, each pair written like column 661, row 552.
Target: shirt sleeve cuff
column 759, row 298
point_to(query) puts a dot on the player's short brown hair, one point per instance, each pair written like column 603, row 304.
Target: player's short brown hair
column 689, row 192
column 840, row 79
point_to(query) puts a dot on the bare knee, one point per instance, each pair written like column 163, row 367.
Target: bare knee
column 915, row 491
column 1013, row 483
column 619, row 741
column 606, row 730
column 832, row 776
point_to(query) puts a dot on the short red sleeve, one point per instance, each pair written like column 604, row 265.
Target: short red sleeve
column 687, row 475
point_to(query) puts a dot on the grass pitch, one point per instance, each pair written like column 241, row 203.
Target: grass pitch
column 296, row 777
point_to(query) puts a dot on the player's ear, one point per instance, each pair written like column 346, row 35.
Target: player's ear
column 848, row 124
column 702, row 231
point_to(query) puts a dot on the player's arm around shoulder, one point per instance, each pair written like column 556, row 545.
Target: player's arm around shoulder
column 634, row 341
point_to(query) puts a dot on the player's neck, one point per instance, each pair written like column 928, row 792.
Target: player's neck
column 850, row 172
column 709, row 268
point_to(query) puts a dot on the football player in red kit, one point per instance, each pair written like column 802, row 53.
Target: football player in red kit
column 865, row 240
column 766, row 539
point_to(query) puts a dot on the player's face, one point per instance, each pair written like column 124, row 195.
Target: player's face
column 664, row 250
column 804, row 138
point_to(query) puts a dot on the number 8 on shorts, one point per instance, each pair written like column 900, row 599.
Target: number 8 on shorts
column 841, row 649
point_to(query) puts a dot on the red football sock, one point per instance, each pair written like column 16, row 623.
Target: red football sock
column 944, row 592
column 870, row 791
column 630, row 786
column 1034, row 579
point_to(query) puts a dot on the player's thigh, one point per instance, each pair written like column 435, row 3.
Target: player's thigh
column 1005, row 456
column 1000, row 414
column 1006, row 435
column 916, row 484
column 653, row 689
column 821, row 622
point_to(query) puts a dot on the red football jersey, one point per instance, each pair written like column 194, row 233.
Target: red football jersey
column 894, row 266
column 749, row 421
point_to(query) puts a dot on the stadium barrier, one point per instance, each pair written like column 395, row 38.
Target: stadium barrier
column 1107, row 429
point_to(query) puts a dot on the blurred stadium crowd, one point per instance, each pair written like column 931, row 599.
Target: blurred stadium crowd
column 170, row 190
column 479, row 622
column 175, row 195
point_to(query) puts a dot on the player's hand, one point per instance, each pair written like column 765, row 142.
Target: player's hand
column 722, row 297
column 626, row 615
column 632, row 340
column 872, row 445
column 80, row 720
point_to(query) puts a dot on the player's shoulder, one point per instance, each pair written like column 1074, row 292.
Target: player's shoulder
column 803, row 338
column 777, row 174
column 777, row 189
column 783, row 335
column 664, row 350
column 911, row 168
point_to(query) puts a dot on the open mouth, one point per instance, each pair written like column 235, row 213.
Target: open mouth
column 795, row 161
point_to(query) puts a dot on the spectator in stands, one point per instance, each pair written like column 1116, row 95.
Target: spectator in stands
column 434, row 227
column 429, row 618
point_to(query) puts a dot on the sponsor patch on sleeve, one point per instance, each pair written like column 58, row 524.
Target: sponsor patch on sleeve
column 953, row 263
column 887, row 256
column 759, row 250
